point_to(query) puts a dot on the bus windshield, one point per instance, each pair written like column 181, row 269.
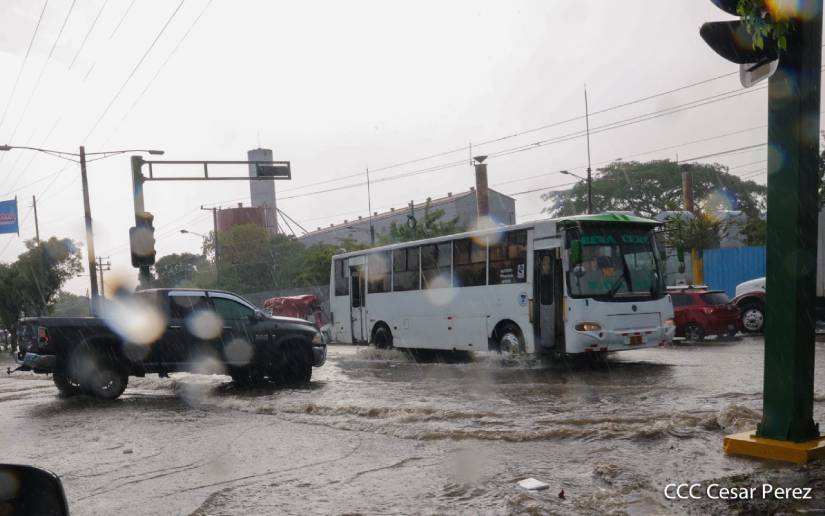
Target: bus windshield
column 617, row 263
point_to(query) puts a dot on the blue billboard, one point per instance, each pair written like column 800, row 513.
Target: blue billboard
column 8, row 217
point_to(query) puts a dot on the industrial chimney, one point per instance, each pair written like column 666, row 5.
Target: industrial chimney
column 482, row 192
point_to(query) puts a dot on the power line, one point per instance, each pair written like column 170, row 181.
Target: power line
column 125, row 13
column 88, row 33
column 166, row 61
column 33, row 91
column 134, row 70
column 23, row 64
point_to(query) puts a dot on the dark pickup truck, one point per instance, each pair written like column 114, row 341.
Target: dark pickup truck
column 163, row 331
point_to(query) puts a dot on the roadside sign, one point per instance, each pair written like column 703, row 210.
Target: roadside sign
column 8, row 217
column 752, row 73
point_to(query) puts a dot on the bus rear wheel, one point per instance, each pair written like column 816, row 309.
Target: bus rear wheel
column 382, row 337
column 509, row 339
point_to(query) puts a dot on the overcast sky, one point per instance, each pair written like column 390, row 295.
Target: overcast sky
column 335, row 87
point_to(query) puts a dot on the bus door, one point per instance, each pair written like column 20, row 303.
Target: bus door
column 546, row 295
column 357, row 302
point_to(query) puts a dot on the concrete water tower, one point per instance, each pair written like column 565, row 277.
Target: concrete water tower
column 262, row 193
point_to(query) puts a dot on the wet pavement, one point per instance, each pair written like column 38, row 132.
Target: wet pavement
column 381, row 433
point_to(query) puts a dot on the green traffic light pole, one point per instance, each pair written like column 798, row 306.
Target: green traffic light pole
column 793, row 151
column 265, row 171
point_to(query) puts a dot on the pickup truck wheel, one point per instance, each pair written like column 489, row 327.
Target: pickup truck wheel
column 66, row 385
column 107, row 382
column 694, row 333
column 753, row 317
column 296, row 369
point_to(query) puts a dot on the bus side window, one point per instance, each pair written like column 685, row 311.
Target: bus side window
column 341, row 280
column 435, row 265
column 508, row 258
column 378, row 272
column 405, row 269
column 469, row 263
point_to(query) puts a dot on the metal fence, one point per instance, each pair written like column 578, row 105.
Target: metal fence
column 725, row 268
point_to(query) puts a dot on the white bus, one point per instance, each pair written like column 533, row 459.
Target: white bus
column 588, row 283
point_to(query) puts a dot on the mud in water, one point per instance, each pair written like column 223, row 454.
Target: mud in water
column 440, row 433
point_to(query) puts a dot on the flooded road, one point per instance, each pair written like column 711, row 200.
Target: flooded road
column 381, row 433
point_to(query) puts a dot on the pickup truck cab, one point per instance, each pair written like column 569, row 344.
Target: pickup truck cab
column 161, row 331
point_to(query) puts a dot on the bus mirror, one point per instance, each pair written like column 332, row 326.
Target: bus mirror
column 575, row 252
column 578, row 270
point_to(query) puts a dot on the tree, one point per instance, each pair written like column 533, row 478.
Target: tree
column 428, row 226
column 179, row 270
column 648, row 188
column 66, row 304
column 44, row 267
column 29, row 285
column 11, row 304
column 315, row 269
column 694, row 233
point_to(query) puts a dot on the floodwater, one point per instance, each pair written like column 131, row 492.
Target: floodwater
column 380, row 432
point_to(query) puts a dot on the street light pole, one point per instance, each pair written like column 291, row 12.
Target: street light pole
column 589, row 174
column 215, row 237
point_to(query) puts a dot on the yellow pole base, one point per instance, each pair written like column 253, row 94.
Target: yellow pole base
column 748, row 445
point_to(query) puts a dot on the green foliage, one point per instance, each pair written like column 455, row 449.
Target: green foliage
column 29, row 285
column 428, row 226
column 763, row 23
column 700, row 232
column 44, row 268
column 756, row 231
column 650, row 187
column 179, row 270
column 66, row 304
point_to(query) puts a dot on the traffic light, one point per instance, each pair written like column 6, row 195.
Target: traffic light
column 142, row 241
column 280, row 170
column 731, row 40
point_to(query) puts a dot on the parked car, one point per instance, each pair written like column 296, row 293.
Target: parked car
column 164, row 331
column 699, row 312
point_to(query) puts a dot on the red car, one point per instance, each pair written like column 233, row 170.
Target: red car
column 699, row 311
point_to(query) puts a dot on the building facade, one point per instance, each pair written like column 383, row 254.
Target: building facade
column 460, row 206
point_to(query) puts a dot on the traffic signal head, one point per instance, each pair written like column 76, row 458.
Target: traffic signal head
column 277, row 170
column 731, row 40
column 142, row 241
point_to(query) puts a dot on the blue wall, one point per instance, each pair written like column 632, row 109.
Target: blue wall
column 727, row 267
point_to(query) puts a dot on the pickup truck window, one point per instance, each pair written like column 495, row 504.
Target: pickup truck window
column 181, row 307
column 231, row 310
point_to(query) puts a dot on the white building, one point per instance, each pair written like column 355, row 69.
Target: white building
column 461, row 206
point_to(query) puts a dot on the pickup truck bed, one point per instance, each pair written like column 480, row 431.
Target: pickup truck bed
column 168, row 330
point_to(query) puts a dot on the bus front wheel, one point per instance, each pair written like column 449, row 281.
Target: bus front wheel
column 510, row 339
column 382, row 337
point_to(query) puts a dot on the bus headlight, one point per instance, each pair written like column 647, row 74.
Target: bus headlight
column 669, row 323
column 588, row 326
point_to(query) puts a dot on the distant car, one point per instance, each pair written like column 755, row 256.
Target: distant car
column 699, row 312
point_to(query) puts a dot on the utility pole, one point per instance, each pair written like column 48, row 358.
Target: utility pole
column 369, row 207
column 589, row 170
column 215, row 238
column 36, row 225
column 90, row 239
column 101, row 267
